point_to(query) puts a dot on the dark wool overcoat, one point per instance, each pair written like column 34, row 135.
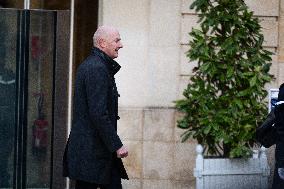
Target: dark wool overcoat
column 90, row 153
column 278, row 183
column 279, row 122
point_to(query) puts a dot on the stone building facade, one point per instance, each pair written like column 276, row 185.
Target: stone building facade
column 154, row 73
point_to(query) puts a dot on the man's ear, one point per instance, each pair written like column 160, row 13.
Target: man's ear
column 102, row 43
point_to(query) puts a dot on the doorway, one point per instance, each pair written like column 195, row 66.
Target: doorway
column 33, row 53
column 85, row 24
column 35, row 108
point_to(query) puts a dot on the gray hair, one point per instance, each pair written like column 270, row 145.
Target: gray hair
column 102, row 33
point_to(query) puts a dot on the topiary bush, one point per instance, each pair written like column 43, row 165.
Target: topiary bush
column 224, row 99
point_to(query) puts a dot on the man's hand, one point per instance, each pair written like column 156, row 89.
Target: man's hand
column 122, row 152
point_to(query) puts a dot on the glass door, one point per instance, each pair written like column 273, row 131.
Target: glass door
column 40, row 52
column 8, row 60
column 30, row 59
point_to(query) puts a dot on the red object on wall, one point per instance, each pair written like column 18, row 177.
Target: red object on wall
column 35, row 47
column 40, row 134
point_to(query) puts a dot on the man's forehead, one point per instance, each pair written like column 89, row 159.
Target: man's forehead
column 115, row 35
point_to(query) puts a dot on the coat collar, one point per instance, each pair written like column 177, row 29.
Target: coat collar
column 112, row 65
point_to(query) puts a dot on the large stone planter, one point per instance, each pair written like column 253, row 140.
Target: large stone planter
column 251, row 173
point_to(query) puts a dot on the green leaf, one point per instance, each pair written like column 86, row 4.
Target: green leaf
column 252, row 81
column 207, row 130
column 230, row 72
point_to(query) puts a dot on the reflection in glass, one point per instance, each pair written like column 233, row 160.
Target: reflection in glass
column 8, row 28
column 40, row 91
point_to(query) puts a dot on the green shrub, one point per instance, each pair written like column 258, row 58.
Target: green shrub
column 224, row 99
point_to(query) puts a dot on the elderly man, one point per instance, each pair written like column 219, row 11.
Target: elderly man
column 94, row 150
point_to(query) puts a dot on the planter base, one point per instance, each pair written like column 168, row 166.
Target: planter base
column 251, row 173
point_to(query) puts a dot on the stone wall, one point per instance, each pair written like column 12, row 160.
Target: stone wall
column 157, row 159
column 154, row 73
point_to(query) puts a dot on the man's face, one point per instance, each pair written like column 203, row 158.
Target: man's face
column 113, row 44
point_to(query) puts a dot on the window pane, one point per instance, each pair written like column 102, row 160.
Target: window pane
column 8, row 38
column 40, row 91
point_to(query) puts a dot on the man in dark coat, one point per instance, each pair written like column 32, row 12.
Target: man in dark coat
column 278, row 180
column 94, row 150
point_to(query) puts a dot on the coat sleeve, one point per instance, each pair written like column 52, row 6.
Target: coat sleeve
column 279, row 114
column 97, row 86
column 262, row 129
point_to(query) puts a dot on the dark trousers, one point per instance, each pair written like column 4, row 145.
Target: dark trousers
column 115, row 182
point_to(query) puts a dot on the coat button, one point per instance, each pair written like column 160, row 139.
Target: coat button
column 117, row 117
column 118, row 95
